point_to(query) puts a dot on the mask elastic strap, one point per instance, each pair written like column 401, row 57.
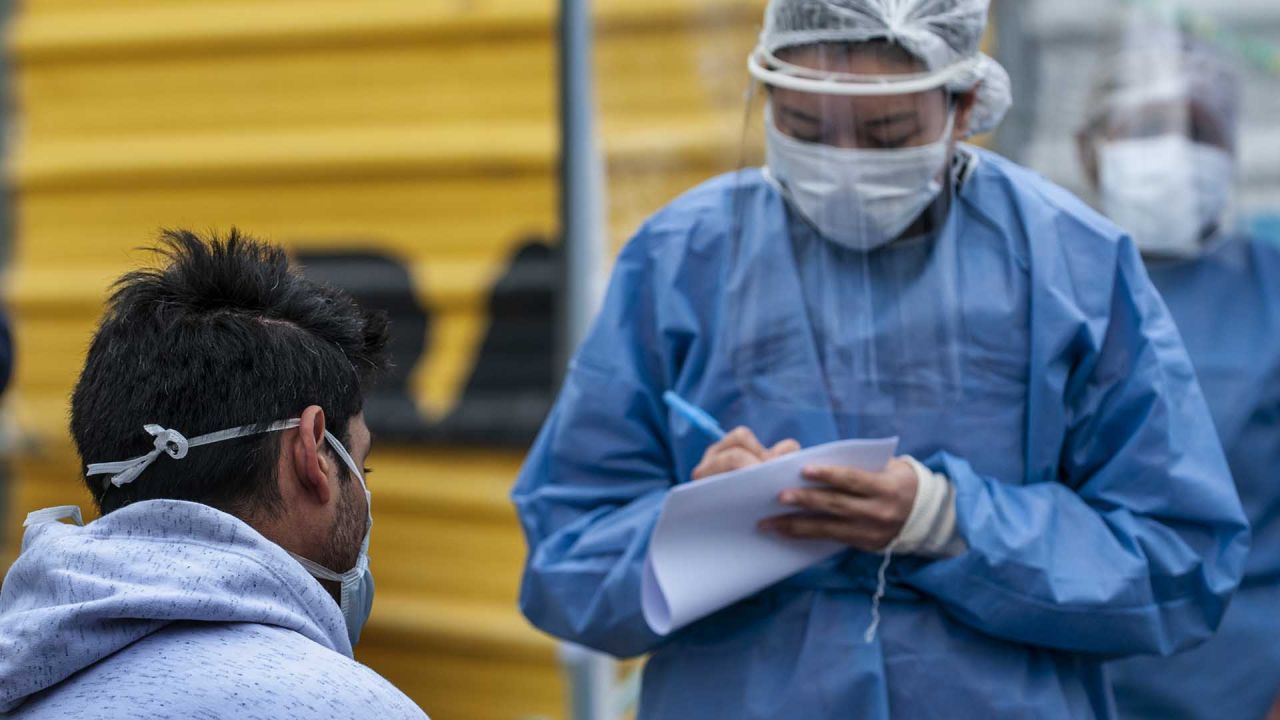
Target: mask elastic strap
column 175, row 445
column 949, row 129
column 336, row 445
column 317, row 569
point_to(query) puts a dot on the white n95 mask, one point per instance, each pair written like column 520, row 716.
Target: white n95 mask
column 356, row 595
column 1166, row 191
column 859, row 198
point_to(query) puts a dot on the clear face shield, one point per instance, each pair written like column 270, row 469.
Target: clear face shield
column 844, row 311
column 857, row 137
column 1158, row 144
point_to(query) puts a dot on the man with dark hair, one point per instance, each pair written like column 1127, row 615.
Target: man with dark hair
column 219, row 414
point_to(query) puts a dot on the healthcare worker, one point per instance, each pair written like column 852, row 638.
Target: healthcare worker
column 1062, row 496
column 1160, row 146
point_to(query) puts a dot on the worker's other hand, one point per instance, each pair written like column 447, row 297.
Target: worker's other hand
column 863, row 509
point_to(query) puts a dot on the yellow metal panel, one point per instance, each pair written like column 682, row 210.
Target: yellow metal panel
column 419, row 81
column 445, row 230
column 673, row 89
column 161, row 29
column 235, row 156
column 376, row 126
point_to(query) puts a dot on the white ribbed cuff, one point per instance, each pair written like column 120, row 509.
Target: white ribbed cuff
column 931, row 528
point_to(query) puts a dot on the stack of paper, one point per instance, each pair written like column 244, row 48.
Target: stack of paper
column 707, row 552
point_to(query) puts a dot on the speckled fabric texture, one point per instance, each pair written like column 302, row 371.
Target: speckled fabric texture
column 169, row 609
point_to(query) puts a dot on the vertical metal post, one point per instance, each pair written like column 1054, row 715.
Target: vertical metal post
column 590, row 678
column 582, row 176
column 1015, row 50
column 584, row 238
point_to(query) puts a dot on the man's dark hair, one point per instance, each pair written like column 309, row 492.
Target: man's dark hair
column 225, row 333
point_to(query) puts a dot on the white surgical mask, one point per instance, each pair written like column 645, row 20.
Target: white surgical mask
column 356, row 595
column 859, row 198
column 1166, row 191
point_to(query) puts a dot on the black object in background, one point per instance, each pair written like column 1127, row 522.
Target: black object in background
column 513, row 380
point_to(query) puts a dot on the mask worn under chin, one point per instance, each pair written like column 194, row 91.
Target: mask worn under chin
column 1166, row 191
column 859, row 198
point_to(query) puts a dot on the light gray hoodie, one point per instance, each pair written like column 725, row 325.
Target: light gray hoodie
column 170, row 609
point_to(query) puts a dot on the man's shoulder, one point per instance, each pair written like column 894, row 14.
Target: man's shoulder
column 231, row 670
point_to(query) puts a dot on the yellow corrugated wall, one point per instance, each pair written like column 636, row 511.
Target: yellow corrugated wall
column 425, row 129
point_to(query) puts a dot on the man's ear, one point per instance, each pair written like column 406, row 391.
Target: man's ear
column 310, row 466
column 965, row 103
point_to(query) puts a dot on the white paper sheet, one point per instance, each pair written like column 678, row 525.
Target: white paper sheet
column 707, row 552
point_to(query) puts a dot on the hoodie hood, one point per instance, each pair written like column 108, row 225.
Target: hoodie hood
column 79, row 594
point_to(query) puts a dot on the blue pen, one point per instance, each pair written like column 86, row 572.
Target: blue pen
column 696, row 416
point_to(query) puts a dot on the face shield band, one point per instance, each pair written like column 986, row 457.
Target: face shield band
column 775, row 72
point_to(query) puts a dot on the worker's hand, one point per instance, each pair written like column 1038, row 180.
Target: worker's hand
column 1275, row 710
column 737, row 450
column 863, row 509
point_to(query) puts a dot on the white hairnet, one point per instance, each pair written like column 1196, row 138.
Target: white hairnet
column 1163, row 64
column 942, row 33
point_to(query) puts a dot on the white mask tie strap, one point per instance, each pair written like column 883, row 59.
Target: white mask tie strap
column 175, row 445
column 317, row 569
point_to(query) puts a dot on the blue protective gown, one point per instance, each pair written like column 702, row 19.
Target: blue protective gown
column 1091, row 488
column 1227, row 307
